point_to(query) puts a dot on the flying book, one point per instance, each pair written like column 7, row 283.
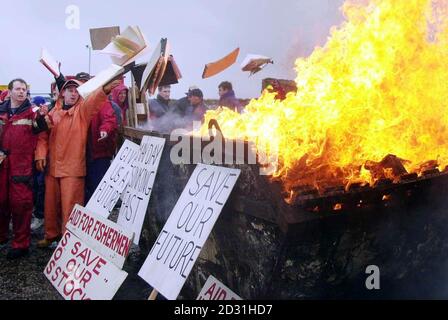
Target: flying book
column 104, row 77
column 127, row 47
column 255, row 63
column 160, row 70
column 216, row 67
column 49, row 62
column 101, row 37
column 172, row 73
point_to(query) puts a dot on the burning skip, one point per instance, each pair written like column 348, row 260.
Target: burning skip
column 371, row 104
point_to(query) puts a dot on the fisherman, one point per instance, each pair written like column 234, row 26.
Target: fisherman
column 65, row 146
column 18, row 128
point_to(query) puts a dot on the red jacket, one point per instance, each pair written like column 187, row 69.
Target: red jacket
column 3, row 95
column 124, row 107
column 105, row 120
column 17, row 139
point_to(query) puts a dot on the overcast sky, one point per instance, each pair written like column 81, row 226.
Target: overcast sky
column 199, row 31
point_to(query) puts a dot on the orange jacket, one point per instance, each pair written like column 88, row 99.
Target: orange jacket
column 65, row 142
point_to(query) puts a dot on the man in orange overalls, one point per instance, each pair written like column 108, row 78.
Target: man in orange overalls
column 65, row 146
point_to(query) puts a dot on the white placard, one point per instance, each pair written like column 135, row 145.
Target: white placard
column 103, row 235
column 114, row 181
column 79, row 273
column 176, row 249
column 215, row 290
column 137, row 193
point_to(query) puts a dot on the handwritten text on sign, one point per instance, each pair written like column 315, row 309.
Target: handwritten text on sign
column 176, row 249
column 79, row 273
column 103, row 235
column 137, row 193
column 215, row 290
column 114, row 181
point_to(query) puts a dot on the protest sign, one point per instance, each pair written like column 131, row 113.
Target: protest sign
column 137, row 193
column 114, row 181
column 104, row 236
column 176, row 249
column 79, row 273
column 215, row 290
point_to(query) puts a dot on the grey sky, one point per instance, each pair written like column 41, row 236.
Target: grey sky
column 199, row 31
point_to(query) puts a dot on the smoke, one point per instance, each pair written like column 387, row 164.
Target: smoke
column 169, row 122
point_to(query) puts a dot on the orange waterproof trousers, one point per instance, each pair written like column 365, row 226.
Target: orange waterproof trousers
column 61, row 195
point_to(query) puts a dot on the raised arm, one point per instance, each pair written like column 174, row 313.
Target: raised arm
column 60, row 81
column 94, row 101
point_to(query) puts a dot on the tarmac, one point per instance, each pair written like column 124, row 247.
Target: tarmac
column 23, row 279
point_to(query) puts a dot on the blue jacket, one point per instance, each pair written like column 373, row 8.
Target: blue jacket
column 158, row 107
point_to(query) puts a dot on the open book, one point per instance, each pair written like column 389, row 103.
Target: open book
column 172, row 73
column 49, row 62
column 104, row 77
column 160, row 70
column 101, row 37
column 255, row 63
column 125, row 48
column 216, row 67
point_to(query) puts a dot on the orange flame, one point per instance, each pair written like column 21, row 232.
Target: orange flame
column 379, row 86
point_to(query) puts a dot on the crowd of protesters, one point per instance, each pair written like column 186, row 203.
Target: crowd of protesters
column 53, row 156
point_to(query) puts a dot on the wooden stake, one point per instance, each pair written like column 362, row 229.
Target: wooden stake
column 153, row 295
column 133, row 121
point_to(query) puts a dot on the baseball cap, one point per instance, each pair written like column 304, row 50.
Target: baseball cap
column 191, row 89
column 70, row 83
column 83, row 76
column 196, row 93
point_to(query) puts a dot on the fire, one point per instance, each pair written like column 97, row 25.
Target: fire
column 372, row 103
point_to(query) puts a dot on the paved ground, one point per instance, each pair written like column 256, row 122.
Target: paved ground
column 23, row 279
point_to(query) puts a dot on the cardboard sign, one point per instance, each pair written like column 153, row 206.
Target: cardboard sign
column 114, row 181
column 176, row 249
column 215, row 290
column 105, row 236
column 79, row 273
column 137, row 193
